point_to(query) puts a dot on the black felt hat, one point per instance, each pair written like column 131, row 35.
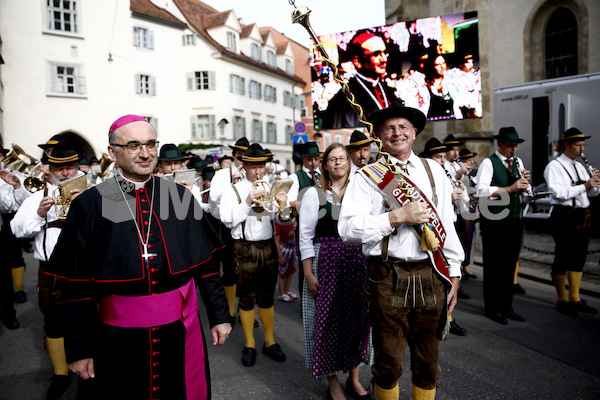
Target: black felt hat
column 433, row 146
column 53, row 141
column 573, row 135
column 466, row 153
column 269, row 154
column 254, row 154
column 170, row 152
column 62, row 155
column 310, row 149
column 196, row 163
column 241, row 144
column 450, row 141
column 397, row 110
column 358, row 139
column 208, row 173
column 508, row 135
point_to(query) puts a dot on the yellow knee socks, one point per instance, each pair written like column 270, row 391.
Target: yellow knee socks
column 247, row 318
column 574, row 285
column 267, row 317
column 516, row 273
column 230, row 294
column 423, row 394
column 56, row 349
column 559, row 282
column 387, row 394
column 17, row 275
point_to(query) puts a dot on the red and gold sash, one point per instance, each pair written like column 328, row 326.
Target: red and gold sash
column 400, row 190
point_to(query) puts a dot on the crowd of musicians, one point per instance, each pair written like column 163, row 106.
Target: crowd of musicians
column 380, row 235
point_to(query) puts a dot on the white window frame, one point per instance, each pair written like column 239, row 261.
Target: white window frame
column 143, row 38
column 189, row 39
column 271, row 58
column 257, row 130
column 203, row 126
column 65, row 79
column 271, row 132
column 152, row 121
column 231, row 41
column 201, row 80
column 145, row 84
column 289, row 66
column 64, row 16
column 270, row 93
column 255, row 90
column 256, row 51
column 237, row 84
column 239, row 127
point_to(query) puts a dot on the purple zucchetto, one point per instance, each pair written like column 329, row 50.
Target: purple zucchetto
column 124, row 120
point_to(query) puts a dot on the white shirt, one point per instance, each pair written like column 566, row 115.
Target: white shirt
column 27, row 223
column 233, row 213
column 559, row 183
column 309, row 216
column 485, row 173
column 219, row 182
column 295, row 189
column 11, row 199
column 364, row 220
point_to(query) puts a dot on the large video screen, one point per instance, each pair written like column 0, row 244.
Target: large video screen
column 431, row 64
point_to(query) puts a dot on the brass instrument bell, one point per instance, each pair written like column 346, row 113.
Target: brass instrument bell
column 62, row 193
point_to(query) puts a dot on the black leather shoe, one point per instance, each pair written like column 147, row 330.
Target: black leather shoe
column 517, row 289
column 274, row 351
column 462, row 294
column 59, row 384
column 11, row 322
column 457, row 329
column 565, row 308
column 352, row 393
column 497, row 317
column 581, row 306
column 248, row 356
column 20, row 297
column 514, row 316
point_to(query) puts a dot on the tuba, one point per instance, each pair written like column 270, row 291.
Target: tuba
column 62, row 194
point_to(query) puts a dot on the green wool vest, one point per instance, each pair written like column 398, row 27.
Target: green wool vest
column 503, row 178
column 304, row 180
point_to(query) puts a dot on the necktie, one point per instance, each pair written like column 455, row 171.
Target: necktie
column 510, row 165
column 313, row 176
column 379, row 96
column 403, row 167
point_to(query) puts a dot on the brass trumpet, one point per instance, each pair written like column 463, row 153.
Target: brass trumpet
column 268, row 201
column 17, row 159
column 62, row 194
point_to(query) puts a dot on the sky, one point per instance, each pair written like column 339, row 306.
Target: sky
column 327, row 16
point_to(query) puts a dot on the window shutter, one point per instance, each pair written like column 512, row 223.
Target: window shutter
column 184, row 39
column 259, row 91
column 190, row 77
column 150, row 39
column 193, row 126
column 53, row 73
column 138, row 84
column 212, row 126
column 79, row 81
column 274, row 95
column 231, row 86
column 152, row 85
column 243, row 86
column 135, row 37
column 211, row 80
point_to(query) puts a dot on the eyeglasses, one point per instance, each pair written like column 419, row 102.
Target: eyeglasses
column 135, row 147
column 334, row 160
column 393, row 128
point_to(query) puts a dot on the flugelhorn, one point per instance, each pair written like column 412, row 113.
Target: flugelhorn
column 268, row 201
column 62, row 193
column 35, row 179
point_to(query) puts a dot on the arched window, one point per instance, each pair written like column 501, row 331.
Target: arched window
column 561, row 44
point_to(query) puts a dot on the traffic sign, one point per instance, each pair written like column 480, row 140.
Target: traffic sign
column 299, row 139
column 300, row 127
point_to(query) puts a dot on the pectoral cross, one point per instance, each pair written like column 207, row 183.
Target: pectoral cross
column 147, row 255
